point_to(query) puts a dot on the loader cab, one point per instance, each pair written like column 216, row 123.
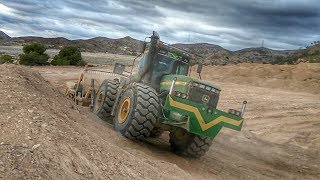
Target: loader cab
column 164, row 66
column 166, row 63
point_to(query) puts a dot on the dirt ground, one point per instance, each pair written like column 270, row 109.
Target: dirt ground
column 43, row 135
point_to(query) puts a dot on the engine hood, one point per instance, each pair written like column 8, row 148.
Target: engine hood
column 182, row 82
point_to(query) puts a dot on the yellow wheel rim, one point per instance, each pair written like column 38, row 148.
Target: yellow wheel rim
column 124, row 110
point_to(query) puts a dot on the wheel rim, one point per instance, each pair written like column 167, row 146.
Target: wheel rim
column 124, row 110
column 99, row 100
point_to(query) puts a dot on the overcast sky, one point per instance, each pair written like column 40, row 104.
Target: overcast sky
column 232, row 24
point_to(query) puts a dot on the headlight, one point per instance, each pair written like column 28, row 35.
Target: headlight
column 234, row 112
column 202, row 86
column 195, row 84
column 215, row 90
column 181, row 95
column 208, row 88
column 184, row 96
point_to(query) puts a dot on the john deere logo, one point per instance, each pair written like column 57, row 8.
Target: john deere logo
column 205, row 99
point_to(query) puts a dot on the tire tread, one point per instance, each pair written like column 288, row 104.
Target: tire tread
column 145, row 112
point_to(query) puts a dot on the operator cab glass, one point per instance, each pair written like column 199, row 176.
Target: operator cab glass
column 181, row 68
column 167, row 65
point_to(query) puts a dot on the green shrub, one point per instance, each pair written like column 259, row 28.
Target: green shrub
column 34, row 47
column 68, row 55
column 82, row 63
column 34, row 59
column 60, row 61
column 34, row 55
column 6, row 59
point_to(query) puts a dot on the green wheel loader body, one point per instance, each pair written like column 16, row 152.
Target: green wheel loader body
column 181, row 82
column 198, row 118
column 162, row 96
column 180, row 85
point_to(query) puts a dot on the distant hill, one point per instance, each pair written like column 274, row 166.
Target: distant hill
column 126, row 45
column 310, row 54
column 214, row 54
column 4, row 35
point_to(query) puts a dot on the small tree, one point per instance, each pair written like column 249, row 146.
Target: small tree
column 68, row 55
column 5, row 58
column 34, row 55
column 34, row 47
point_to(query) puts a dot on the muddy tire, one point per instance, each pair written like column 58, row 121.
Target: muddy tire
column 155, row 133
column 104, row 99
column 137, row 112
column 189, row 145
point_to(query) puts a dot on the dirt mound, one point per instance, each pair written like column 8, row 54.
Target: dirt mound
column 304, row 77
column 43, row 135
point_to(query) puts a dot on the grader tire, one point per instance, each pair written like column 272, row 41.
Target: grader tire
column 188, row 144
column 137, row 112
column 104, row 99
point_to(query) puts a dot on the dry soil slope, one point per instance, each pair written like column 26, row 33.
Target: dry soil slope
column 44, row 136
column 304, row 77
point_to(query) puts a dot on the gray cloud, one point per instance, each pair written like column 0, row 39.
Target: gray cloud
column 233, row 24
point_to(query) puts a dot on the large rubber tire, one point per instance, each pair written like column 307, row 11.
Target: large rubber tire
column 104, row 99
column 188, row 144
column 137, row 112
column 156, row 132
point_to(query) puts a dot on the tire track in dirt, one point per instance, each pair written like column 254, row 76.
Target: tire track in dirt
column 280, row 138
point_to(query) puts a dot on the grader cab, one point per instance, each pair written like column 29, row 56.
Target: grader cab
column 160, row 96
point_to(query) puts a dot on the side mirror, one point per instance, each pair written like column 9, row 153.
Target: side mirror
column 144, row 45
column 199, row 69
column 118, row 68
